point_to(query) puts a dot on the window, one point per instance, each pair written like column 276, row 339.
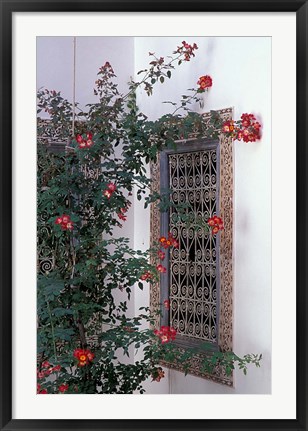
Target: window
column 199, row 280
column 191, row 173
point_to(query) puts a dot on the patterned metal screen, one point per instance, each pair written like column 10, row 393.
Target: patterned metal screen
column 194, row 283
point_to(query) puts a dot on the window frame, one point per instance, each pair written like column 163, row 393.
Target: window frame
column 187, row 147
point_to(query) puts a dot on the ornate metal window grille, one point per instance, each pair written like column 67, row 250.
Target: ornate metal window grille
column 192, row 176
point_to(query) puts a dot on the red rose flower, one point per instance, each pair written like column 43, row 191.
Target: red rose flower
column 247, row 119
column 85, row 141
column 146, row 276
column 161, row 255
column 239, row 135
column 256, row 125
column 65, row 219
column 63, row 388
column 228, row 127
column 204, row 83
column 216, row 224
column 107, row 193
column 84, row 356
column 166, row 334
column 65, row 222
column 161, row 268
column 112, row 187
column 46, row 364
column 211, row 222
column 79, row 139
column 172, row 240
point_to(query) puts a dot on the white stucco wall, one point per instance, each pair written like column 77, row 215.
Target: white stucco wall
column 241, row 72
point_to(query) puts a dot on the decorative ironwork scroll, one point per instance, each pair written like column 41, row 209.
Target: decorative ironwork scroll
column 204, row 261
column 193, row 287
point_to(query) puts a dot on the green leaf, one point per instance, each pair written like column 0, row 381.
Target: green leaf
column 58, row 312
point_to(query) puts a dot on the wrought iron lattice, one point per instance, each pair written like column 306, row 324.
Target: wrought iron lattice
column 193, row 266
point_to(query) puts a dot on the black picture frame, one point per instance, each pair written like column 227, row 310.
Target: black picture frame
column 7, row 8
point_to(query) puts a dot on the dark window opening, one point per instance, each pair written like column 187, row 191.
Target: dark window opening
column 191, row 174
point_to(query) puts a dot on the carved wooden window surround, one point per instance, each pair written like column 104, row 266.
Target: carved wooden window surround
column 215, row 329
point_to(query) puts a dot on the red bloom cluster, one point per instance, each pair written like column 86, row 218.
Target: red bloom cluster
column 170, row 242
column 85, row 140
column 165, row 333
column 84, row 356
column 39, row 390
column 216, row 224
column 187, row 50
column 47, row 369
column 204, row 83
column 111, row 187
column 249, row 130
column 65, row 222
column 63, row 388
column 146, row 276
column 161, row 268
column 228, row 127
column 157, row 374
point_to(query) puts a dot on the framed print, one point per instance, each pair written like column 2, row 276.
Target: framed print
column 153, row 218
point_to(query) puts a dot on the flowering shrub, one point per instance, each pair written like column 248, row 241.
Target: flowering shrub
column 247, row 129
column 81, row 328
